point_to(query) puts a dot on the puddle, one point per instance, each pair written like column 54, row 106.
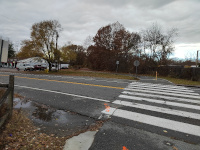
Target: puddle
column 52, row 120
column 23, row 105
column 16, row 100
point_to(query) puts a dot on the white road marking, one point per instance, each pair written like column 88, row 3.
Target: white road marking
column 163, row 97
column 159, row 122
column 159, row 88
column 97, row 99
column 163, row 93
column 160, row 102
column 137, row 92
column 159, row 109
column 160, row 85
column 110, row 112
column 164, row 90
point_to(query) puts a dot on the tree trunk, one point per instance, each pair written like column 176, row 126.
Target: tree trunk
column 49, row 66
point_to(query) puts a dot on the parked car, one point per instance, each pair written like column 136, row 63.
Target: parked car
column 64, row 66
column 39, row 67
column 24, row 67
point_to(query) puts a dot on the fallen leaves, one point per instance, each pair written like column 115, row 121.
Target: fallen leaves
column 20, row 133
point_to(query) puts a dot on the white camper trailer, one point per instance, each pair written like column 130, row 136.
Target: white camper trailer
column 64, row 66
column 34, row 63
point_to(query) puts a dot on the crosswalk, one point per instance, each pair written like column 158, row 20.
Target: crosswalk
column 158, row 108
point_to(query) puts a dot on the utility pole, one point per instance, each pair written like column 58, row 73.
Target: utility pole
column 197, row 58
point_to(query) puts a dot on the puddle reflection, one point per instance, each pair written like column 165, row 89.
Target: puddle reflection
column 42, row 113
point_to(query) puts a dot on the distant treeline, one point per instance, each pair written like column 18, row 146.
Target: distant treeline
column 112, row 43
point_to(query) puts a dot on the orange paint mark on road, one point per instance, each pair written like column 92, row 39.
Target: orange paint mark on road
column 107, row 107
column 124, row 148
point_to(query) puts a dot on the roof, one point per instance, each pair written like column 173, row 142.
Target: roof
column 33, row 60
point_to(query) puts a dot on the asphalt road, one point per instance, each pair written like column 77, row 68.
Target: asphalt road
column 144, row 115
column 82, row 95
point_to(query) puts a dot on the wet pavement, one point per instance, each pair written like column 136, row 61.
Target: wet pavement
column 52, row 121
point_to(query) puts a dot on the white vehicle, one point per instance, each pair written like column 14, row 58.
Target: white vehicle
column 25, row 67
column 33, row 63
column 64, row 66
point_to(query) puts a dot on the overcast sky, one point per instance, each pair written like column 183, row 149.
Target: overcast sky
column 81, row 18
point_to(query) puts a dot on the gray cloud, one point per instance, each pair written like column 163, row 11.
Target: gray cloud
column 80, row 18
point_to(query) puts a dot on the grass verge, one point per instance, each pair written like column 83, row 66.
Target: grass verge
column 176, row 80
column 182, row 81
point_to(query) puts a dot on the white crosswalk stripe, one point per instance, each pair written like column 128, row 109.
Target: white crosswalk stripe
column 165, row 93
column 162, row 97
column 165, row 106
column 160, row 122
column 162, row 87
column 179, row 91
column 160, row 102
column 159, row 109
column 157, row 85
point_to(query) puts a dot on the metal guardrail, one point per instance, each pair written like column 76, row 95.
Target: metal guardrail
column 6, row 101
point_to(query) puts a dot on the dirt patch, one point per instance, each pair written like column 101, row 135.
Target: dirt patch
column 18, row 96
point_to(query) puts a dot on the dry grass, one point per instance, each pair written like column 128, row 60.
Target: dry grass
column 178, row 81
column 182, row 81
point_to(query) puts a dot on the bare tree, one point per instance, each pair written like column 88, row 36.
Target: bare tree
column 191, row 56
column 45, row 34
column 88, row 42
column 166, row 43
column 158, row 44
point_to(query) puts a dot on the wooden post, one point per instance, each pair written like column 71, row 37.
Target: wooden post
column 156, row 75
column 11, row 93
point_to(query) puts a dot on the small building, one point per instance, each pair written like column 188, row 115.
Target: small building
column 11, row 63
column 3, row 51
